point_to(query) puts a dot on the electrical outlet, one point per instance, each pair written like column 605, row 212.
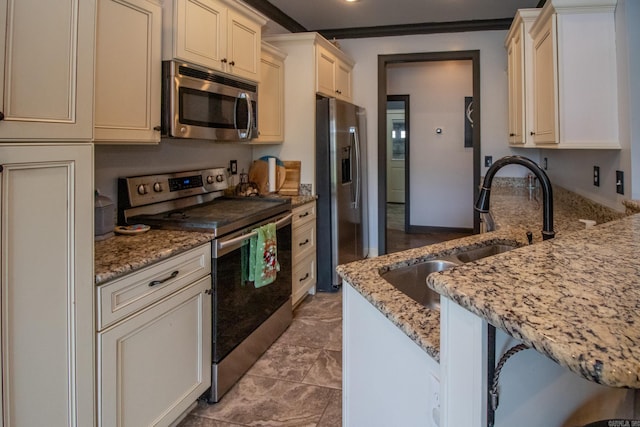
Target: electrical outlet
column 619, row 182
column 596, row 176
column 545, row 163
column 233, row 167
column 488, row 160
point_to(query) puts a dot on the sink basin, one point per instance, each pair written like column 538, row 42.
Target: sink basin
column 482, row 252
column 411, row 281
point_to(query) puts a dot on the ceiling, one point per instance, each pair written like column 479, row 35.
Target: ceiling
column 370, row 18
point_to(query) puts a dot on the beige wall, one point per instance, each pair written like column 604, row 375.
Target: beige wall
column 441, row 178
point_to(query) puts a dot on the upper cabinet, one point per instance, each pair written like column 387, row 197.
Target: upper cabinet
column 519, row 50
column 217, row 34
column 271, row 96
column 127, row 98
column 46, row 74
column 575, row 94
column 333, row 72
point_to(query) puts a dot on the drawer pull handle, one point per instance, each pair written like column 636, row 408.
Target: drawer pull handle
column 303, row 243
column 159, row 282
column 306, row 276
column 303, row 215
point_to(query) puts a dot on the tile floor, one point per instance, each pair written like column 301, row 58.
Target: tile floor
column 297, row 382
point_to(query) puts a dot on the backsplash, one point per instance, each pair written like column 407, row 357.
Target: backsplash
column 583, row 207
column 171, row 155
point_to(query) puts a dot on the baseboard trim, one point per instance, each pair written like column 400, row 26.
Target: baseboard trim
column 428, row 229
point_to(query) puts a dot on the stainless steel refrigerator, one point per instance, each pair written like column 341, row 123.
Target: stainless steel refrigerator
column 341, row 186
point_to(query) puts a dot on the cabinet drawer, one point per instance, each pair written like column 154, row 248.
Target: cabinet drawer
column 120, row 298
column 304, row 277
column 304, row 241
column 304, row 214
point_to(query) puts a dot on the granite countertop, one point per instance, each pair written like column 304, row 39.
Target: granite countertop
column 120, row 255
column 516, row 210
column 574, row 298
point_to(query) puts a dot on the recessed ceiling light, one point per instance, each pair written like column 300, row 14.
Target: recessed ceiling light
column 351, row 1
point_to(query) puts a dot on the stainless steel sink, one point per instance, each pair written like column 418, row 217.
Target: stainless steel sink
column 412, row 280
column 482, row 252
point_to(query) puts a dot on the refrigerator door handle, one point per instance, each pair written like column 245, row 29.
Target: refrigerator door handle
column 356, row 144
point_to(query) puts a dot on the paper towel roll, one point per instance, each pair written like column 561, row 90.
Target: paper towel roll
column 272, row 174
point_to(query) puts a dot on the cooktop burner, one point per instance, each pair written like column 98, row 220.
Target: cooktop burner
column 191, row 200
column 219, row 216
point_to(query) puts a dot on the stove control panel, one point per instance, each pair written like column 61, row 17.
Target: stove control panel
column 149, row 189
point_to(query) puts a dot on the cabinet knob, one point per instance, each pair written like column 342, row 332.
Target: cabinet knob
column 157, row 128
column 512, row 134
column 532, row 133
column 232, row 63
column 223, row 60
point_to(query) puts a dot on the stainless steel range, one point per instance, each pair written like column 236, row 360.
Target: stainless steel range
column 246, row 319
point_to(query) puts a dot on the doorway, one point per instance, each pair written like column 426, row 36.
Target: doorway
column 389, row 117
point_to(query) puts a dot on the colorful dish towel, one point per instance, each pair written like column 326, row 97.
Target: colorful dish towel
column 263, row 256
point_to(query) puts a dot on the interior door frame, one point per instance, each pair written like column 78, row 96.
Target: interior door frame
column 407, row 127
column 383, row 61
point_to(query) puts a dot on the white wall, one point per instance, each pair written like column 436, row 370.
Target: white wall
column 441, row 168
column 171, row 155
column 493, row 89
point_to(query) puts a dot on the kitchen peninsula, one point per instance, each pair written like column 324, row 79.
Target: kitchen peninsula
column 571, row 298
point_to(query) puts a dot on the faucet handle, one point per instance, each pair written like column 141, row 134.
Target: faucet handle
column 530, row 237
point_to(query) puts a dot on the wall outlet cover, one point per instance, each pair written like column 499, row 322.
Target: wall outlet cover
column 620, row 182
column 488, row 160
column 596, row 176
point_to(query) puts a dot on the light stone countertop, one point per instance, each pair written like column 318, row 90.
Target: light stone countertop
column 575, row 299
column 122, row 254
column 516, row 210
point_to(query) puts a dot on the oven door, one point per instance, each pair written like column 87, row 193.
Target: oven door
column 238, row 306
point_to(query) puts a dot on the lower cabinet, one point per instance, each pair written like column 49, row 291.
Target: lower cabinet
column 155, row 363
column 304, row 251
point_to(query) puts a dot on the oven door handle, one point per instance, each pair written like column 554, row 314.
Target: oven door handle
column 235, row 240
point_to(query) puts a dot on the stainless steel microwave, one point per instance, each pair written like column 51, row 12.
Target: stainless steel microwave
column 198, row 103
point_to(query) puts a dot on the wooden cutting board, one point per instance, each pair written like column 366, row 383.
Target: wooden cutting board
column 291, row 186
column 259, row 173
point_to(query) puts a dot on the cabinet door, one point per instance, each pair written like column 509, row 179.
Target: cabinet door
column 46, row 78
column 47, row 285
column 271, row 100
column 127, row 98
column 515, row 73
column 545, row 91
column 243, row 44
column 155, row 364
column 201, row 33
column 325, row 72
column 343, row 81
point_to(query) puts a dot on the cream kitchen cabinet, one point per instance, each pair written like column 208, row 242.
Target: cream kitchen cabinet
column 221, row 35
column 271, row 96
column 46, row 74
column 128, row 71
column 304, row 251
column 46, row 285
column 575, row 92
column 300, row 99
column 519, row 47
column 154, row 341
column 333, row 73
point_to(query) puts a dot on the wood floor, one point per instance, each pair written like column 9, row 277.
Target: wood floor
column 398, row 240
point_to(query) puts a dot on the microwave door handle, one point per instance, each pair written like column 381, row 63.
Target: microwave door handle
column 356, row 145
column 243, row 134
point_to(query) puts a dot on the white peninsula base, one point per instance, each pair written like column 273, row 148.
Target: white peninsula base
column 387, row 379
